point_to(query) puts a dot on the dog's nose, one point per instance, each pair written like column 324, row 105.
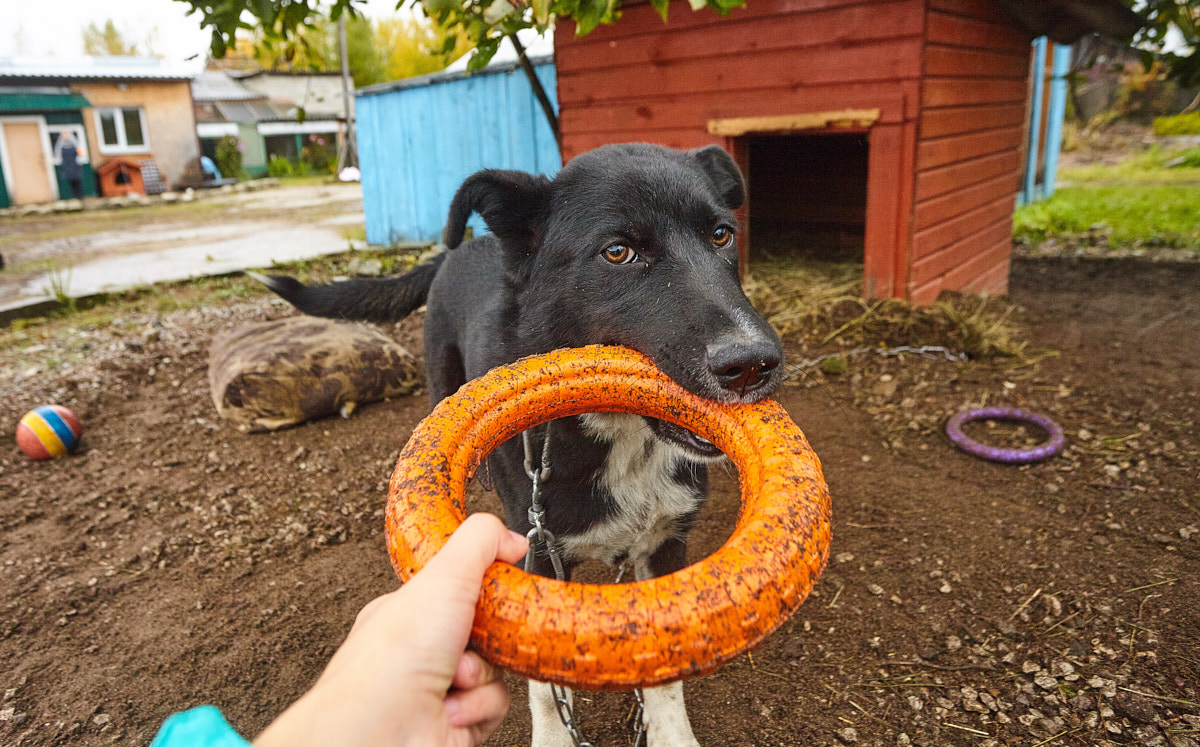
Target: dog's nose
column 742, row 367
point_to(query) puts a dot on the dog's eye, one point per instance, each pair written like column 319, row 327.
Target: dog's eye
column 619, row 254
column 722, row 237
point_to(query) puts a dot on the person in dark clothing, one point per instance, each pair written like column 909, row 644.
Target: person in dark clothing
column 68, row 153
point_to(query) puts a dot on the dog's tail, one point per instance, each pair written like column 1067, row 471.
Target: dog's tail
column 367, row 299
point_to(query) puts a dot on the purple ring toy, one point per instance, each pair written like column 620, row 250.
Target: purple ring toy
column 1049, row 448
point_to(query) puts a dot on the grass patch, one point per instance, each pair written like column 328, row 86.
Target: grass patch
column 1178, row 124
column 1127, row 215
column 1149, row 167
column 1139, row 202
column 312, row 180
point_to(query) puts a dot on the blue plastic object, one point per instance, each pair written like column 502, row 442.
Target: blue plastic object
column 203, row 726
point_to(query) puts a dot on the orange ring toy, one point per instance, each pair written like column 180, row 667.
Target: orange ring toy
column 619, row 636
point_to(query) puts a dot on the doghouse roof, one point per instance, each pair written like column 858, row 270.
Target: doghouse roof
column 1065, row 21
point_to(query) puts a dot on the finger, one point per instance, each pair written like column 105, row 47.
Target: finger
column 473, row 672
column 482, row 705
column 479, row 542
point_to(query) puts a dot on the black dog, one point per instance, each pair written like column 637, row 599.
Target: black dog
column 629, row 245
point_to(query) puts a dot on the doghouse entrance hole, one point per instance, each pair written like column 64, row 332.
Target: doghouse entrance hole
column 808, row 196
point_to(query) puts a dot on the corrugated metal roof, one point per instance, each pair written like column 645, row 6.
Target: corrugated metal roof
column 1065, row 21
column 249, row 111
column 217, row 85
column 91, row 68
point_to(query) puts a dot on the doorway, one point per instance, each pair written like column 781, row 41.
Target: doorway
column 808, row 195
column 27, row 166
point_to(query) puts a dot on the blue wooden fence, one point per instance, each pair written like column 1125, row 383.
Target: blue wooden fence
column 1045, row 125
column 419, row 138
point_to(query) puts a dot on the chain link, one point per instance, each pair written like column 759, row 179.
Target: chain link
column 947, row 353
column 540, row 536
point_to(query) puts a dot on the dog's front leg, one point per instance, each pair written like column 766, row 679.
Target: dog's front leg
column 666, row 717
column 665, row 713
column 548, row 728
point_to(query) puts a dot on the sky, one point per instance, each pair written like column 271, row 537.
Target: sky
column 55, row 27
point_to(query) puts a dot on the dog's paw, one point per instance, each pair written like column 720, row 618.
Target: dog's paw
column 671, row 738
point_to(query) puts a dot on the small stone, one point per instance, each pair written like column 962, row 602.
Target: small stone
column 953, row 643
column 875, row 589
column 360, row 266
column 101, row 719
column 1149, row 736
column 1029, row 667
column 849, row 735
column 844, row 557
column 1045, row 681
column 945, row 588
column 1083, row 702
column 1135, row 708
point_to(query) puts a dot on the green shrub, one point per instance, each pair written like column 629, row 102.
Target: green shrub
column 229, row 156
column 1189, row 159
column 1180, row 124
column 320, row 152
column 279, row 166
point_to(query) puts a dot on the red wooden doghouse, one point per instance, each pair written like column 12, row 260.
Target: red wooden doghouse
column 891, row 132
column 121, row 176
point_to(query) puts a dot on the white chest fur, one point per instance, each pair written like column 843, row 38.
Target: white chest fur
column 639, row 474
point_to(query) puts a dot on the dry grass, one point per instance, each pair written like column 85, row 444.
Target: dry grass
column 818, row 304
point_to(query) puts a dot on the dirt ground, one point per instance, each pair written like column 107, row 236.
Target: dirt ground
column 174, row 561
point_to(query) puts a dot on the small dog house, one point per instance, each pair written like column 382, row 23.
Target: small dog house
column 121, row 176
column 892, row 132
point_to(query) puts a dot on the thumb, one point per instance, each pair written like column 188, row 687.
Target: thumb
column 480, row 541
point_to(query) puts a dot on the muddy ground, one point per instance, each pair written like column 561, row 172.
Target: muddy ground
column 175, row 561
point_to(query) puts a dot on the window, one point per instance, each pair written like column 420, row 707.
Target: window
column 122, row 130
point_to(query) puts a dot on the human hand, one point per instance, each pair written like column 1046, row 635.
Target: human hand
column 403, row 675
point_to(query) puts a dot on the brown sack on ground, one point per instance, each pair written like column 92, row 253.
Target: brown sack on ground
column 276, row 374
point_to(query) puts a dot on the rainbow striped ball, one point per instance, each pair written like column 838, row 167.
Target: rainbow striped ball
column 48, row 432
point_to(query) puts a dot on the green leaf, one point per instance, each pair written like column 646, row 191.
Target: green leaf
column 541, row 11
column 662, row 6
column 483, row 54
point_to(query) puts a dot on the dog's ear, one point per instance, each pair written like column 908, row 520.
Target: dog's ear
column 724, row 173
column 512, row 203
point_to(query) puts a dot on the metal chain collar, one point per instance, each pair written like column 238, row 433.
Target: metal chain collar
column 540, row 536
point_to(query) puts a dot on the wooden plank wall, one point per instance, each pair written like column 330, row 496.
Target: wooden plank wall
column 641, row 80
column 970, row 149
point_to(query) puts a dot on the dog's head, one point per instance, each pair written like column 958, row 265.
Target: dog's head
column 633, row 245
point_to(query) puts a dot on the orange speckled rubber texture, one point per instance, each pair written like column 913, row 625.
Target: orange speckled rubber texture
column 619, row 636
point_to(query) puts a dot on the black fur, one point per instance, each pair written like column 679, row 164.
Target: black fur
column 541, row 281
